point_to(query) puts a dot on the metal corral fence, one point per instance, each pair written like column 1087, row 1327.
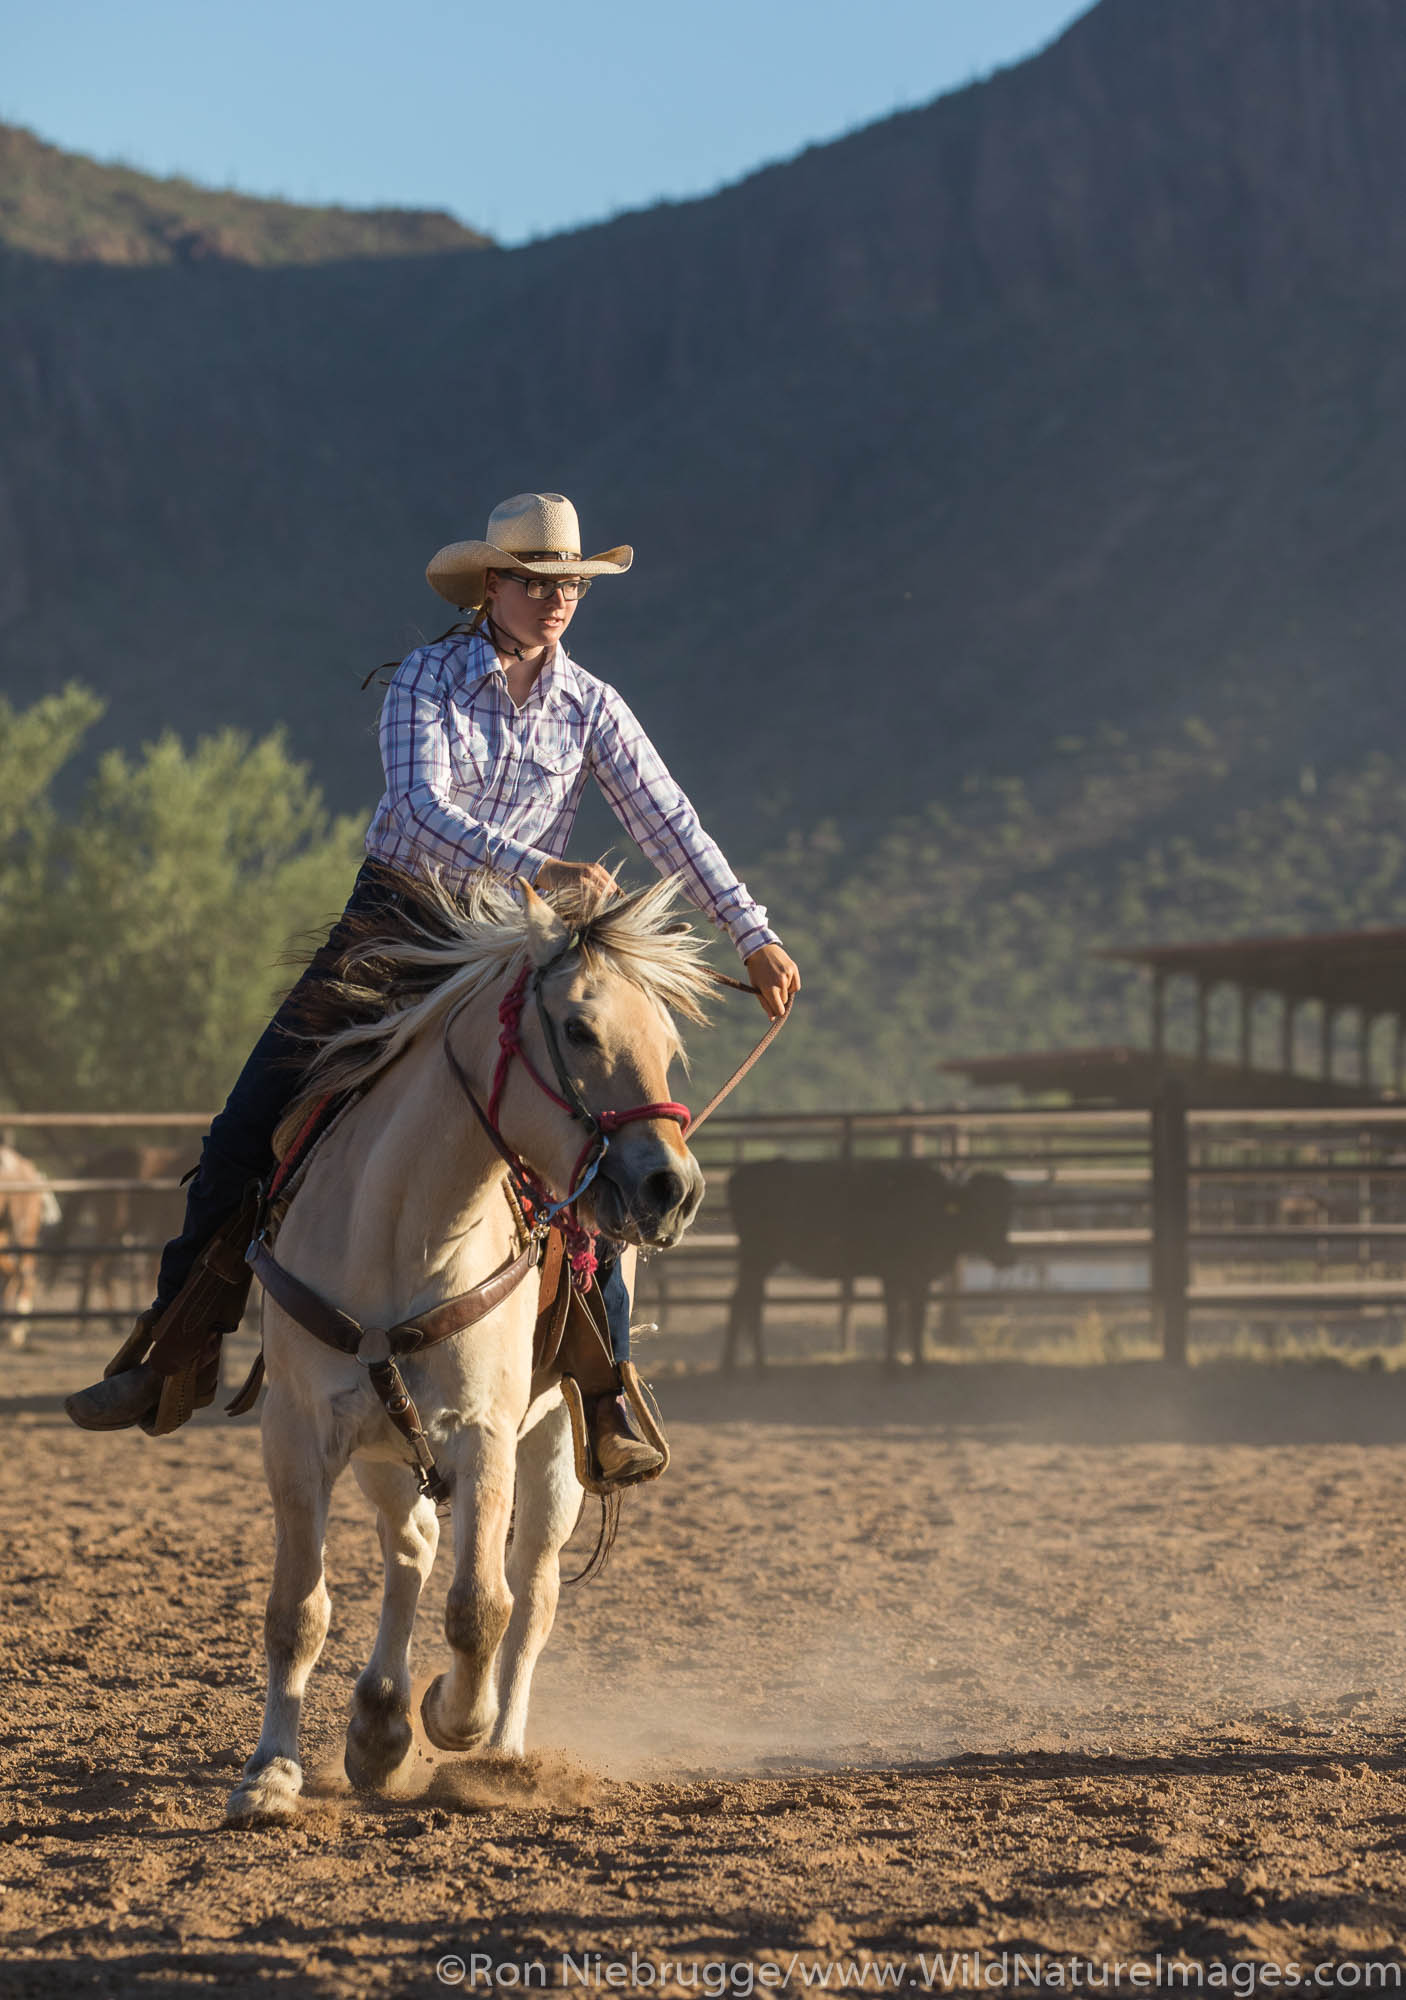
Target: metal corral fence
column 116, row 1177
column 1134, row 1226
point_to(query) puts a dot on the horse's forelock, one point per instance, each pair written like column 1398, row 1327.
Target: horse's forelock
column 449, row 947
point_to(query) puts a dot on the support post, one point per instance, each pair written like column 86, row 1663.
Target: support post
column 1326, row 1025
column 1159, row 1011
column 1171, row 1209
column 1364, row 1048
column 1286, row 1034
column 1247, row 1026
column 949, row 1317
column 1203, row 1024
column 847, row 1284
column 1398, row 1056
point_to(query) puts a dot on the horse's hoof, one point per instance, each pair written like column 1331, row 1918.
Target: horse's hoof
column 513, row 1749
column 377, row 1746
column 442, row 1738
column 266, row 1797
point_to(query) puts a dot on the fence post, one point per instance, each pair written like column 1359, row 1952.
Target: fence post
column 1171, row 1209
column 950, row 1329
column 847, row 1284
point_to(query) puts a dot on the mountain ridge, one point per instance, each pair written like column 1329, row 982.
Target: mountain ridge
column 1071, row 399
column 74, row 209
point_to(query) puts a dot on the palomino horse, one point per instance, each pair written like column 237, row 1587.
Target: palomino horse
column 402, row 1206
column 27, row 1208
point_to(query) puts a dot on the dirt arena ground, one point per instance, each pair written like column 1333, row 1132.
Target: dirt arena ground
column 1087, row 1662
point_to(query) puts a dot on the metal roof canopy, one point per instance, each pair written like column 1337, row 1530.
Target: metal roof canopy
column 1364, row 969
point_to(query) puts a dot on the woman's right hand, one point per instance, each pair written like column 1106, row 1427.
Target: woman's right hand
column 578, row 875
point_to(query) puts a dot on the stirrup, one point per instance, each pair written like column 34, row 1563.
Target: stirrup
column 643, row 1409
column 136, row 1347
column 189, row 1389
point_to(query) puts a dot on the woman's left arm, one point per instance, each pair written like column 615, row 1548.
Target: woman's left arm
column 655, row 811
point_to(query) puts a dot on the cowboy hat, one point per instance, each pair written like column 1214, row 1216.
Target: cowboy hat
column 533, row 534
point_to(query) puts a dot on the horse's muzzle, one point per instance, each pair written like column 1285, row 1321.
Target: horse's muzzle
column 649, row 1199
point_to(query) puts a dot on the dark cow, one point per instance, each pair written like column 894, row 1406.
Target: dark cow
column 902, row 1221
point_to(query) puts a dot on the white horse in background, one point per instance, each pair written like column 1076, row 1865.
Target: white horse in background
column 28, row 1206
column 402, row 1206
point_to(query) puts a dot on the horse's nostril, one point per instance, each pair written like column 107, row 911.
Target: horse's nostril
column 663, row 1190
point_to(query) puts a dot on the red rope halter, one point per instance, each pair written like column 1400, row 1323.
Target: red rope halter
column 580, row 1243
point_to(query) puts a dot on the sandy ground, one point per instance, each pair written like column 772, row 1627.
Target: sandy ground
column 998, row 1658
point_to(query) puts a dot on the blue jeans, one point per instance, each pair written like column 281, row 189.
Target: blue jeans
column 238, row 1148
column 616, row 1298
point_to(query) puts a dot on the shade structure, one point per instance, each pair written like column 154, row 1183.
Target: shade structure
column 1363, row 969
column 1358, row 973
column 1131, row 1078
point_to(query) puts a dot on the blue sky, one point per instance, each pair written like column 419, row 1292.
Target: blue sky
column 521, row 120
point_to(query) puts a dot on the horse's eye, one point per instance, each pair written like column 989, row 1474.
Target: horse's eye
column 579, row 1035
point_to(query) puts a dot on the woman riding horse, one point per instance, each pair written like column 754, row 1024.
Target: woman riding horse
column 487, row 736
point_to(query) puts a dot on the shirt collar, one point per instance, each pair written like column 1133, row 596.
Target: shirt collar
column 557, row 686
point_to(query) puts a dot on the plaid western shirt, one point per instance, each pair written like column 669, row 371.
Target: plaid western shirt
column 474, row 782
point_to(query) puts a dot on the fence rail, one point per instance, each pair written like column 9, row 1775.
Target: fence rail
column 1175, row 1219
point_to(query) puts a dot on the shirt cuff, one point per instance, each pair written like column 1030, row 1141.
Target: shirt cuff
column 753, row 939
column 512, row 857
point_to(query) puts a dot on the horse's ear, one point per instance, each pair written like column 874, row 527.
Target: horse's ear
column 547, row 935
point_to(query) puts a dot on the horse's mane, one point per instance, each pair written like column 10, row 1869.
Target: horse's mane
column 400, row 973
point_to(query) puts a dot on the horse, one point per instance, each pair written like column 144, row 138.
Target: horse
column 402, row 1205
column 122, row 1222
column 28, row 1207
column 902, row 1221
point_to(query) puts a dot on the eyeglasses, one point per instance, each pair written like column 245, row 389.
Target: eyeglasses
column 540, row 588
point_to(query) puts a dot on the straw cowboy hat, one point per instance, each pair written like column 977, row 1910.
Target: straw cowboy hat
column 533, row 534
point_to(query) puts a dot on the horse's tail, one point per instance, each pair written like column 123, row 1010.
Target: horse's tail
column 605, row 1539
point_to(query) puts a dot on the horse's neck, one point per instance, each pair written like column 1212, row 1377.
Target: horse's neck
column 404, row 1203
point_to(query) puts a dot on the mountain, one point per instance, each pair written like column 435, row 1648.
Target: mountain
column 57, row 204
column 1073, row 400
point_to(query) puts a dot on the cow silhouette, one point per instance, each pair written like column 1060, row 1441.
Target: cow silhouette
column 904, row 1222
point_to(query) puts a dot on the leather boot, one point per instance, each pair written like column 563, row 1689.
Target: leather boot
column 621, row 1453
column 131, row 1387
column 144, row 1395
column 118, row 1401
column 169, row 1365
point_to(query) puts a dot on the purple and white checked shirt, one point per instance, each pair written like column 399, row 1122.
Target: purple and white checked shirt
column 474, row 782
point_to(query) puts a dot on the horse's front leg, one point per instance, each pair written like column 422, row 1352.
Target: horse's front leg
column 460, row 1707
column 744, row 1321
column 894, row 1316
column 300, row 1467
column 918, row 1318
column 379, row 1735
column 548, row 1506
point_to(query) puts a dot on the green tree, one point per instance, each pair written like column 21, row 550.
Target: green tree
column 145, row 935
